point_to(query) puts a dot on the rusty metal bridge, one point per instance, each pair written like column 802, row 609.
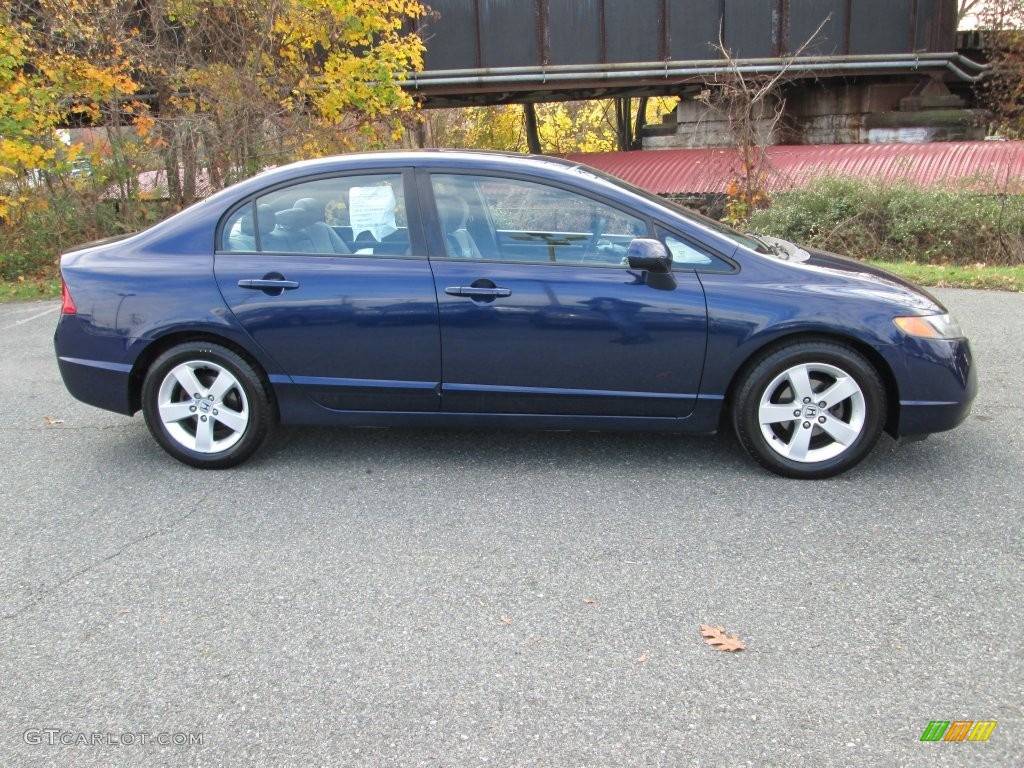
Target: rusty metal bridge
column 874, row 56
column 499, row 51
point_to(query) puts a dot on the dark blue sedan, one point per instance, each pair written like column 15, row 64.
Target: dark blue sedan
column 477, row 289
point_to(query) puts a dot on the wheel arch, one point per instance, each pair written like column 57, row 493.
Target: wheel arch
column 877, row 361
column 160, row 345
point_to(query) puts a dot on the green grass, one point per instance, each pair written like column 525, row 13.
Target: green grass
column 30, row 290
column 956, row 276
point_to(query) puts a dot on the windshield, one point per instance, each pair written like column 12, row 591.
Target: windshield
column 698, row 218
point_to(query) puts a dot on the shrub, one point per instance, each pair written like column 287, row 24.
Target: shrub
column 66, row 212
column 898, row 222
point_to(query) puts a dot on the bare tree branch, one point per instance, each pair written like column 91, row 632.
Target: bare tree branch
column 752, row 108
column 966, row 7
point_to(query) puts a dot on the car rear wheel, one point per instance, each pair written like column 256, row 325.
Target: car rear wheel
column 206, row 406
column 810, row 409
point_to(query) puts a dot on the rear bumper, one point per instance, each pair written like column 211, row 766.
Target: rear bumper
column 90, row 367
column 103, row 385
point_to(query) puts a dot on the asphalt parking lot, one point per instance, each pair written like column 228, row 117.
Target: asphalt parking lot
column 427, row 598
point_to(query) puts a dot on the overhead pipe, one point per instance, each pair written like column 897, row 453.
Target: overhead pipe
column 661, row 65
column 682, row 73
column 672, row 70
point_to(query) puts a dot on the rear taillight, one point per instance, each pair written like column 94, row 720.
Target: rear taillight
column 67, row 304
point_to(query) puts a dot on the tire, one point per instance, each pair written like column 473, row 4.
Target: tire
column 809, row 410
column 206, row 406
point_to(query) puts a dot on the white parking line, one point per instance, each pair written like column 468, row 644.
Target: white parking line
column 15, row 309
column 44, row 313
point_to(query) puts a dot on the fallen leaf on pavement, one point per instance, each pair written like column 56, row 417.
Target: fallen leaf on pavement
column 716, row 637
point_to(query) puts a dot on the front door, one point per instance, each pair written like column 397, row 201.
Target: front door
column 540, row 314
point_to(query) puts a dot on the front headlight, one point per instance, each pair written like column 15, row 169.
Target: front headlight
column 930, row 326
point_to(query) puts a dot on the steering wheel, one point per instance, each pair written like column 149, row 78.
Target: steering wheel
column 598, row 224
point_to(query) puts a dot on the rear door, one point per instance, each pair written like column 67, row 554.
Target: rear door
column 330, row 277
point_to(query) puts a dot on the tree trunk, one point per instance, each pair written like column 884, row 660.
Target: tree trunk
column 532, row 134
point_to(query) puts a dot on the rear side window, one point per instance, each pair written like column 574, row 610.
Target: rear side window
column 364, row 215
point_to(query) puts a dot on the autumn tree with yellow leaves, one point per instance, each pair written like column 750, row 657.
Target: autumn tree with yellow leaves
column 240, row 84
column 51, row 72
column 562, row 127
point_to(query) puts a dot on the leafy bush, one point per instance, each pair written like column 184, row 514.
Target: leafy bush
column 65, row 213
column 898, row 222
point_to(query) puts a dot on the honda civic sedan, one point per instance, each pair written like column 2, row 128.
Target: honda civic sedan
column 461, row 289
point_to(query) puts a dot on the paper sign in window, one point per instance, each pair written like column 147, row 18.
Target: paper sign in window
column 372, row 209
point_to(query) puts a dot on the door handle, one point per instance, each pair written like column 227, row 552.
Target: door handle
column 263, row 284
column 477, row 293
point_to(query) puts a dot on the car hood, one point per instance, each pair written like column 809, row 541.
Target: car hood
column 863, row 277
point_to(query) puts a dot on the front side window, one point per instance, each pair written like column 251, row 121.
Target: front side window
column 514, row 220
column 684, row 254
column 700, row 219
column 687, row 254
column 341, row 215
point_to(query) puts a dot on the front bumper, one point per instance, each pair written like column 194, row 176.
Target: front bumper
column 937, row 383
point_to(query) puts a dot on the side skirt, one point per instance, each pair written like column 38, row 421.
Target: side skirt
column 298, row 410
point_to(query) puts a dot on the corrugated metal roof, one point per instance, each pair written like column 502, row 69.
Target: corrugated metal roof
column 986, row 166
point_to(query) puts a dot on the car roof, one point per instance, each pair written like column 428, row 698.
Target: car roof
column 437, row 158
column 455, row 159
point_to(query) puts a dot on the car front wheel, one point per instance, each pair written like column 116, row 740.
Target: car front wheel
column 810, row 409
column 206, row 406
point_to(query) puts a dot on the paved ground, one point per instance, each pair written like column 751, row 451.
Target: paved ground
column 458, row 599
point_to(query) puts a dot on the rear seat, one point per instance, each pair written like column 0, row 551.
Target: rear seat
column 325, row 239
column 272, row 238
column 297, row 230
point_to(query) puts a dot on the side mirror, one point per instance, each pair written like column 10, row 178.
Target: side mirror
column 649, row 254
